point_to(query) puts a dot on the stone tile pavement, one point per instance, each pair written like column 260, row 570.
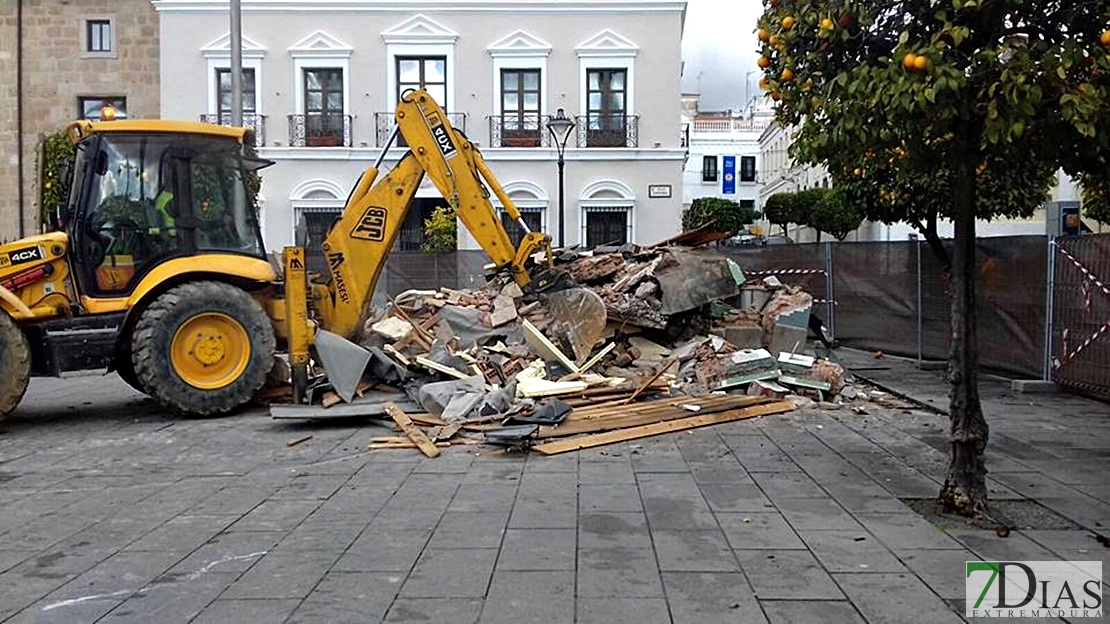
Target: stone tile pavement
column 113, row 512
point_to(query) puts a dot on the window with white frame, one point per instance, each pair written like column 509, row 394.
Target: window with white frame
column 520, row 90
column 606, row 64
column 428, row 49
column 747, row 168
column 218, row 110
column 709, row 168
column 321, row 64
column 223, row 91
column 531, row 200
column 98, row 37
column 606, row 214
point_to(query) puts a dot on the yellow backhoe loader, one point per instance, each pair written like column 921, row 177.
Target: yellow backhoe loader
column 160, row 272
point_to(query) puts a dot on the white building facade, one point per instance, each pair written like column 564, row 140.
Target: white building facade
column 725, row 155
column 322, row 78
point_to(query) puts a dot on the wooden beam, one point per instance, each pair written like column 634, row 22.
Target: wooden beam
column 621, row 435
column 413, row 432
column 662, row 369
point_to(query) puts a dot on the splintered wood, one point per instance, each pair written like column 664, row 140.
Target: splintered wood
column 413, row 432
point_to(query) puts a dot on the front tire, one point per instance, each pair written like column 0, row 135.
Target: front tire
column 15, row 364
column 203, row 348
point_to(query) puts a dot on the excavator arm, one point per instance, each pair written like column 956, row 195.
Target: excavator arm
column 359, row 242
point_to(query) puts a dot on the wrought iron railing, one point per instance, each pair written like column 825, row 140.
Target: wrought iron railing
column 251, row 121
column 515, row 130
column 384, row 125
column 320, row 130
column 608, row 130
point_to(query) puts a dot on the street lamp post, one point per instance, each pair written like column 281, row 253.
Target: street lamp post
column 560, row 127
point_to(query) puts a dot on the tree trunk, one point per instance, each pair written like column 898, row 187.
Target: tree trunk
column 965, row 485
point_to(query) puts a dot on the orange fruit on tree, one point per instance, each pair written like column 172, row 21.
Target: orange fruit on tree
column 764, row 83
column 909, row 61
column 763, row 62
column 788, row 22
column 826, row 24
column 1105, row 39
column 787, row 74
column 763, row 34
column 920, row 63
column 776, row 96
column 774, row 40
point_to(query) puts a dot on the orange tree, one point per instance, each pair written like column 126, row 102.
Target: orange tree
column 945, row 109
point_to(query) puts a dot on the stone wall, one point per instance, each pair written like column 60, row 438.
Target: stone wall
column 56, row 71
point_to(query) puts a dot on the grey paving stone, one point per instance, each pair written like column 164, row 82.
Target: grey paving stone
column 787, row 575
column 332, row 537
column 939, row 569
column 816, row 514
column 1016, row 547
column 1074, row 545
column 566, row 462
column 518, row 597
column 349, row 597
column 618, row 572
column 895, row 598
column 693, row 551
column 484, row 497
column 379, row 551
column 604, row 530
column 851, row 551
column 276, row 575
column 273, row 515
column 759, row 454
column 711, row 598
column 763, row 530
column 234, row 500
column 454, row 573
column 178, row 601
column 11, row 558
column 810, row 612
column 613, row 610
column 720, row 472
column 310, row 487
column 610, row 497
column 231, row 552
column 544, row 512
column 785, row 485
column 735, row 497
column 469, row 530
column 538, row 550
column 434, row 611
column 875, row 502
column 606, row 472
column 906, row 531
column 266, row 611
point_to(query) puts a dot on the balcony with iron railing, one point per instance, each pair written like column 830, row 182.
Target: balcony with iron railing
column 251, row 121
column 514, row 130
column 607, row 130
column 384, row 125
column 320, row 130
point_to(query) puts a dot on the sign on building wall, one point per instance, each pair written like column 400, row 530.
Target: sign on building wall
column 729, row 178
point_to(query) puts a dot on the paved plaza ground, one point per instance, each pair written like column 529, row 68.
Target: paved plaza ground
column 111, row 511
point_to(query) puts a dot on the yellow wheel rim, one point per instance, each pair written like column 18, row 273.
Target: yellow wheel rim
column 210, row 351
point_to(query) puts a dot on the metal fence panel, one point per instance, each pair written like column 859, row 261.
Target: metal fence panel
column 876, row 295
column 1081, row 313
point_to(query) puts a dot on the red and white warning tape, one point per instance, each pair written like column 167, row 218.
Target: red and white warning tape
column 1086, row 343
column 1086, row 273
column 787, row 272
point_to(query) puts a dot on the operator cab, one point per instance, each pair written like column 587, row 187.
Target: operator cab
column 142, row 197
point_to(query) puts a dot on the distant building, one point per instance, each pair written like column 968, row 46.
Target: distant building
column 724, row 155
column 64, row 60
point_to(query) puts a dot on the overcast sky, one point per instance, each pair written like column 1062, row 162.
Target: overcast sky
column 719, row 51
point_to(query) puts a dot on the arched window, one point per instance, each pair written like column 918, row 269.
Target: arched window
column 606, row 211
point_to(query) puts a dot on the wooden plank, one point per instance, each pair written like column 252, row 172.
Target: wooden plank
column 545, row 347
column 413, row 432
column 662, row 369
column 633, row 433
column 590, row 363
column 674, row 412
column 426, row 419
column 436, row 366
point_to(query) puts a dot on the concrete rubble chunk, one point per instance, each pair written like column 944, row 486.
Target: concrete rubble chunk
column 595, row 268
column 391, row 328
column 698, row 277
column 504, row 310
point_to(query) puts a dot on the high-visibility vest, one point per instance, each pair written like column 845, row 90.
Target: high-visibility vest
column 161, row 204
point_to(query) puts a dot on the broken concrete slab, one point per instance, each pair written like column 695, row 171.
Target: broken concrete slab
column 697, row 278
column 647, row 348
column 462, row 406
column 504, row 311
column 392, row 328
column 580, row 313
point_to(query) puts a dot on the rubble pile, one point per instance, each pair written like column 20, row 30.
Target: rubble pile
column 684, row 341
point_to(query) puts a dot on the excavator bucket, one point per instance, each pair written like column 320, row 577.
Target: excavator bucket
column 581, row 313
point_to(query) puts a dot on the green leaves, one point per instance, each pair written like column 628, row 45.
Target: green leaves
column 718, row 214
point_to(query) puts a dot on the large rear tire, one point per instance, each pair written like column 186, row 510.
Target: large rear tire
column 15, row 364
column 203, row 348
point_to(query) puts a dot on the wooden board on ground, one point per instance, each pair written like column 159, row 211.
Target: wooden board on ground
column 623, row 417
column 413, row 432
column 632, row 433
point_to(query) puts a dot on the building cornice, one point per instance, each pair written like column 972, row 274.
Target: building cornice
column 492, row 154
column 430, row 6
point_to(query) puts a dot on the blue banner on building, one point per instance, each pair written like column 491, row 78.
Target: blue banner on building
column 729, row 183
